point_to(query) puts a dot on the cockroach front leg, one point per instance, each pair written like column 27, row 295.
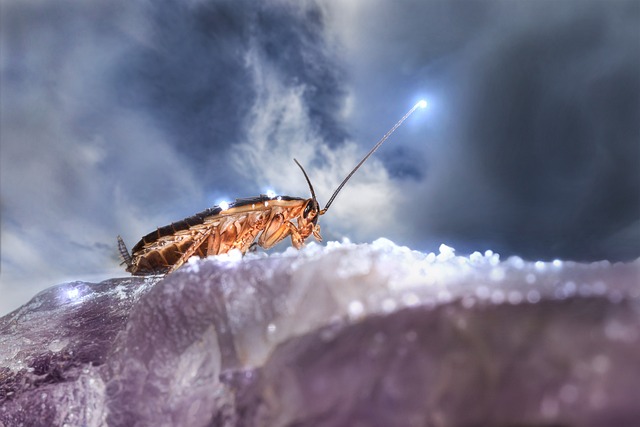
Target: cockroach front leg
column 316, row 233
column 296, row 238
column 277, row 229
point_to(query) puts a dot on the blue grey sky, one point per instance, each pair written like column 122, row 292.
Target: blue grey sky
column 120, row 116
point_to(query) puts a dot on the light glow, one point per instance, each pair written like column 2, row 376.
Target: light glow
column 271, row 194
column 224, row 205
column 422, row 104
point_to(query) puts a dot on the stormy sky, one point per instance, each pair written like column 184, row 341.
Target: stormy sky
column 119, row 116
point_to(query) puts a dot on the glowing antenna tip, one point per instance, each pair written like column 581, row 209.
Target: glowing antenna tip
column 422, row 104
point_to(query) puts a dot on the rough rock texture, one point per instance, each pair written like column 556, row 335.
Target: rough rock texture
column 343, row 335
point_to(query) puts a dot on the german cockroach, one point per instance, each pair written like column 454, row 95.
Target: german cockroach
column 237, row 225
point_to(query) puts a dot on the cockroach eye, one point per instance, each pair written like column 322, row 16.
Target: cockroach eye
column 307, row 209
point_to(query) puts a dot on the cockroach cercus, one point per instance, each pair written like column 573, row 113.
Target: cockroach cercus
column 237, row 225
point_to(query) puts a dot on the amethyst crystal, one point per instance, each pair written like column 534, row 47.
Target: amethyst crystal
column 343, row 335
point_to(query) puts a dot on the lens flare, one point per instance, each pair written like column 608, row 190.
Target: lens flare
column 422, row 104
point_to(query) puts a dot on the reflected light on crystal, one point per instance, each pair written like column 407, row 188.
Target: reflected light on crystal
column 356, row 309
column 388, row 305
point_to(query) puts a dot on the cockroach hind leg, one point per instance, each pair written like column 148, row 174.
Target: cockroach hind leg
column 190, row 251
column 124, row 252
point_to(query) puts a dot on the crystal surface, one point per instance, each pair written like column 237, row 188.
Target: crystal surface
column 343, row 334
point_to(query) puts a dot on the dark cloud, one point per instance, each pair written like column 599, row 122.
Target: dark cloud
column 533, row 143
column 296, row 44
column 549, row 122
column 190, row 76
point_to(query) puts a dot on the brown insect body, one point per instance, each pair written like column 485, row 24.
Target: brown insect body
column 216, row 231
column 237, row 226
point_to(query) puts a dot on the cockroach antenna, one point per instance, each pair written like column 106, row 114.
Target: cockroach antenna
column 313, row 193
column 420, row 104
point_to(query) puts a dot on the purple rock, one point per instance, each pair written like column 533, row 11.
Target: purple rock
column 343, row 335
column 53, row 348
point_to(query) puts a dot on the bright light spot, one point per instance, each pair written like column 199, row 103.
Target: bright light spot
column 193, row 263
column 224, row 205
column 57, row 345
column 497, row 274
column 422, row 104
column 356, row 309
column 73, row 293
column 271, row 194
column 516, row 261
column 476, row 258
column 446, row 253
column 494, row 260
column 410, row 299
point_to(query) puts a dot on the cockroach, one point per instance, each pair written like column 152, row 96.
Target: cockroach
column 237, row 225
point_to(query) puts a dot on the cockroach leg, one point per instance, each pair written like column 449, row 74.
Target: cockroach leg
column 191, row 251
